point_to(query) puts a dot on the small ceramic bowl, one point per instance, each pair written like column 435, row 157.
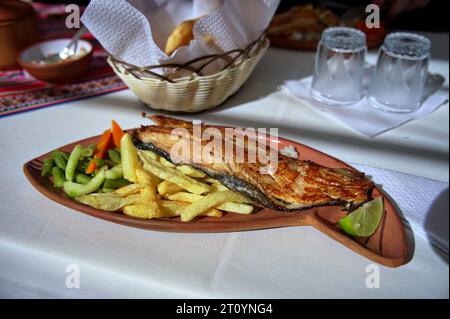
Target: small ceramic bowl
column 67, row 71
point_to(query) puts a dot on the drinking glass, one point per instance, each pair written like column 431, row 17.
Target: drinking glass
column 339, row 67
column 399, row 80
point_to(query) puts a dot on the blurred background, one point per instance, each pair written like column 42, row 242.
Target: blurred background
column 425, row 15
column 298, row 25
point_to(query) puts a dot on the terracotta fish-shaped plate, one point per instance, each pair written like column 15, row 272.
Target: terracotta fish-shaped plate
column 388, row 246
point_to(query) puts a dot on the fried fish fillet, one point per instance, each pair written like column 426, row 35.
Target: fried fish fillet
column 294, row 185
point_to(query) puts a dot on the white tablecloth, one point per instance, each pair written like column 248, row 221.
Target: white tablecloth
column 39, row 238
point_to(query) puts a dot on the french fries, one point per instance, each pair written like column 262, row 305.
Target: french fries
column 215, row 184
column 217, row 187
column 142, row 211
column 145, row 178
column 227, row 206
column 209, row 201
column 166, row 163
column 108, row 201
column 174, row 208
column 162, row 189
column 165, row 188
column 210, row 180
column 128, row 190
column 173, row 176
column 151, row 155
column 190, row 171
column 150, row 199
column 129, row 158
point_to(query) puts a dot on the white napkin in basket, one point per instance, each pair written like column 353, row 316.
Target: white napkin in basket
column 135, row 31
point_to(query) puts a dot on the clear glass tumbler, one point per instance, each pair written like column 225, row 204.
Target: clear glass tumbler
column 339, row 67
column 398, row 83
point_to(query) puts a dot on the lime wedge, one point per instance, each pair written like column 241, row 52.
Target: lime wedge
column 364, row 221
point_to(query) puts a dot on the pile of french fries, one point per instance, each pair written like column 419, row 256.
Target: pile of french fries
column 161, row 189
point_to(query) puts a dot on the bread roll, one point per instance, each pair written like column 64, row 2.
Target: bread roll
column 181, row 36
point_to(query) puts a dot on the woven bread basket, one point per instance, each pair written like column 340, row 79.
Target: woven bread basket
column 193, row 92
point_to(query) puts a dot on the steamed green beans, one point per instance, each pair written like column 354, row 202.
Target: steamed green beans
column 74, row 189
column 81, row 178
column 99, row 162
column 116, row 183
column 65, row 155
column 59, row 159
column 58, row 176
column 47, row 167
column 72, row 162
column 87, row 152
column 68, row 171
column 115, row 172
column 83, row 165
column 114, row 156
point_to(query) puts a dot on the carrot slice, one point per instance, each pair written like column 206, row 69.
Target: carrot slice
column 91, row 167
column 104, row 144
column 117, row 133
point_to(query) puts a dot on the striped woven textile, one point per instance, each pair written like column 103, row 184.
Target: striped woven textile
column 20, row 92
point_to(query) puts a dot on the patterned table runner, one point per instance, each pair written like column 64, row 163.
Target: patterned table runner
column 20, row 92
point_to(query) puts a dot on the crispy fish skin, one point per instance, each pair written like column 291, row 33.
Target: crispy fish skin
column 295, row 185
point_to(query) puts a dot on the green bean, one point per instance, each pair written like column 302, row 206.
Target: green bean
column 72, row 162
column 83, row 165
column 110, row 163
column 82, row 178
column 116, row 183
column 115, row 172
column 65, row 155
column 47, row 167
column 74, row 189
column 58, row 176
column 99, row 162
column 92, row 146
column 59, row 159
column 108, row 190
column 114, row 156
column 87, row 152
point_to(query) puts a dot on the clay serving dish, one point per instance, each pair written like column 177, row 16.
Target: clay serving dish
column 387, row 246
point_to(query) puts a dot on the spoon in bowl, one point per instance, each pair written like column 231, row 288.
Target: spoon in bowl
column 69, row 50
